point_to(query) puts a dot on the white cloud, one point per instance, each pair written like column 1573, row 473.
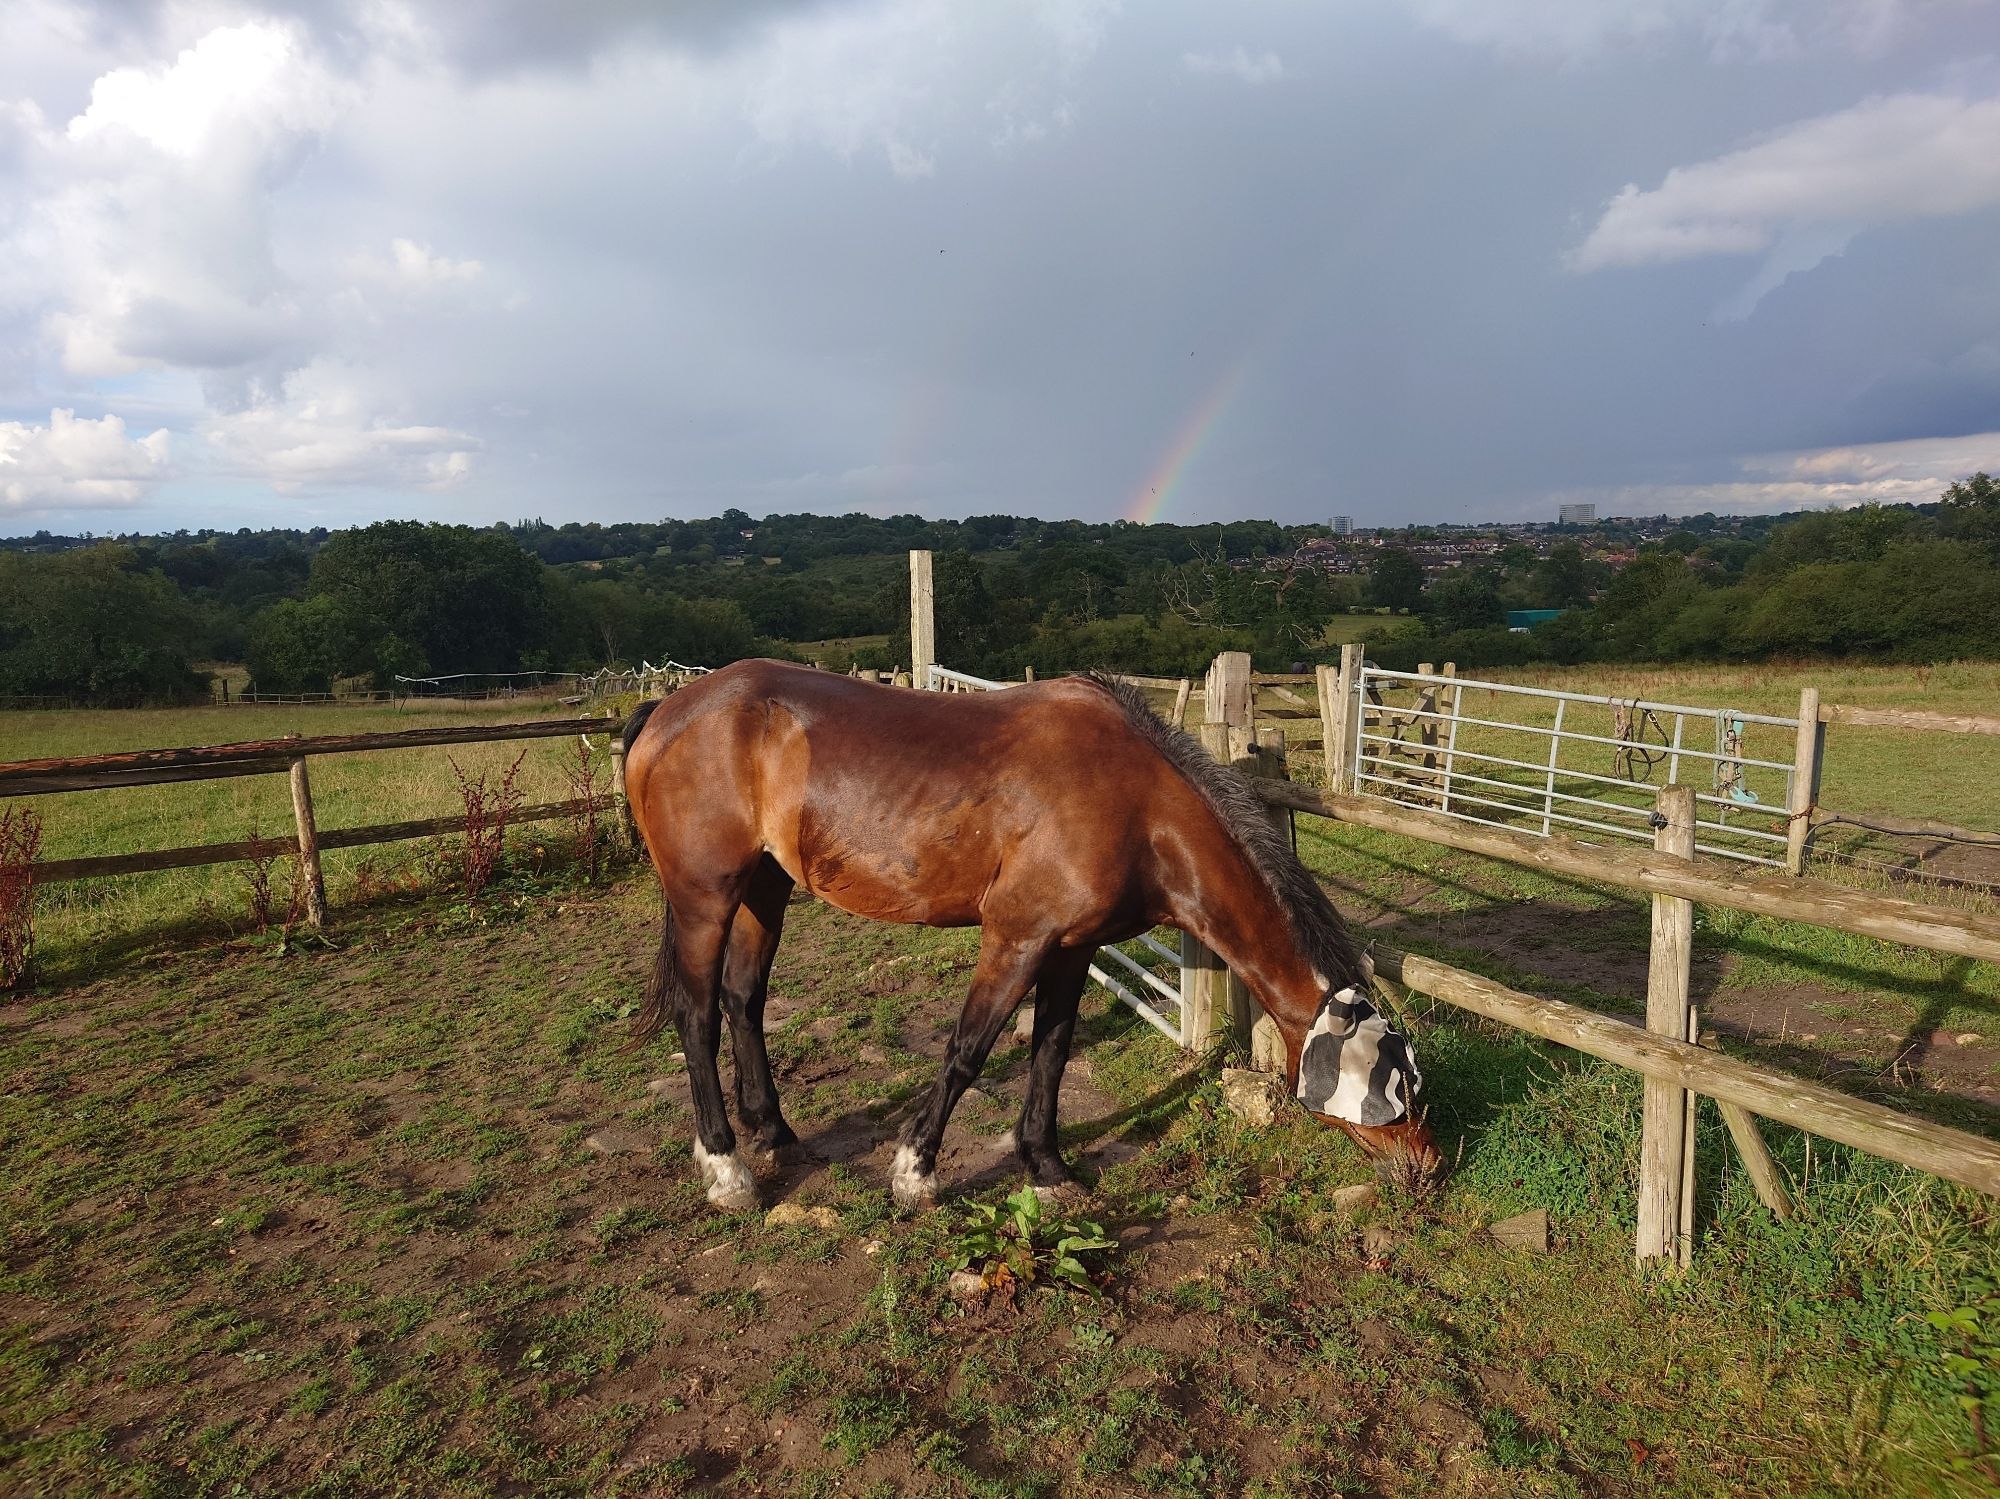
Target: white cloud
column 1235, row 63
column 148, row 243
column 413, row 266
column 1911, row 472
column 1801, row 194
column 78, row 463
column 892, row 77
column 255, row 79
column 1728, row 30
column 324, row 430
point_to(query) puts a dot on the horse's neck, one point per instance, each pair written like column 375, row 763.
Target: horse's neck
column 1225, row 902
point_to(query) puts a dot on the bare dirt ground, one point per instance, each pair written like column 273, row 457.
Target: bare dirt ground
column 400, row 1215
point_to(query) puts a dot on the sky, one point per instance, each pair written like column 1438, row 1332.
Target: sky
column 319, row 262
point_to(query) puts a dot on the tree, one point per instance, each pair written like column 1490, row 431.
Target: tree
column 1395, row 581
column 94, row 624
column 1559, row 579
column 1466, row 598
column 298, row 645
column 1970, row 512
column 466, row 600
column 962, row 612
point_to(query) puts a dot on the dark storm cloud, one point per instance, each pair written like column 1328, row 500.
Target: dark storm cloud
column 1398, row 261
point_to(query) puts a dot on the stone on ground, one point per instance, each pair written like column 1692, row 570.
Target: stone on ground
column 1253, row 1097
column 1353, row 1199
column 1529, row 1231
column 613, row 1140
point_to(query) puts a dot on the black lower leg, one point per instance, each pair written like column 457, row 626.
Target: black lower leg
column 1006, row 968
column 1058, row 989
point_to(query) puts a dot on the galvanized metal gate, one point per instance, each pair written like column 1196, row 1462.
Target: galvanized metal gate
column 1536, row 760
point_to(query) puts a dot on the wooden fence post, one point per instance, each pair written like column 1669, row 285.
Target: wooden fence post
column 1805, row 781
column 309, row 870
column 621, row 813
column 1227, row 690
column 1266, row 1044
column 1203, row 994
column 1181, row 694
column 1205, row 982
column 1345, row 720
column 923, row 625
column 1666, row 1141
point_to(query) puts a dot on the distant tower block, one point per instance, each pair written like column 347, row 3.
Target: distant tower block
column 1343, row 525
column 1579, row 515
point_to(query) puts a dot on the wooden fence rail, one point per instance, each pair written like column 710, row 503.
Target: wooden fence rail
column 1966, row 934
column 1879, row 1130
column 289, row 757
column 1667, row 1051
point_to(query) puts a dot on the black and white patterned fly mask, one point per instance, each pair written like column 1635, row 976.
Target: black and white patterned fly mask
column 1356, row 1066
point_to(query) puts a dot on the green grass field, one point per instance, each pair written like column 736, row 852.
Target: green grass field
column 348, row 791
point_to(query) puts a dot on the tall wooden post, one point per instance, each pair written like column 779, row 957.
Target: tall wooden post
column 1252, row 1025
column 923, row 624
column 1805, row 780
column 1226, row 692
column 621, row 812
column 1332, row 716
column 1205, row 982
column 1341, row 718
column 1666, row 1141
column 309, row 870
column 1204, row 995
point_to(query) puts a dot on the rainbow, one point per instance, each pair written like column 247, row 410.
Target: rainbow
column 1151, row 498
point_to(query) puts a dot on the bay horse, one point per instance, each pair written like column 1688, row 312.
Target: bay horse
column 1056, row 817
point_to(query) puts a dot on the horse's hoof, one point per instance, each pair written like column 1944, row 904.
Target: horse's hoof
column 778, row 1159
column 731, row 1187
column 913, row 1188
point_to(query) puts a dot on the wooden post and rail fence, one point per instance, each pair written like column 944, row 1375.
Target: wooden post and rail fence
column 288, row 757
column 1677, row 1061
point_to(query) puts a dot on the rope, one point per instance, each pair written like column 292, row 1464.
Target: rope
column 1633, row 759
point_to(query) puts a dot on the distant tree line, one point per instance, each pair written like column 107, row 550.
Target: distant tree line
column 1884, row 582
column 135, row 620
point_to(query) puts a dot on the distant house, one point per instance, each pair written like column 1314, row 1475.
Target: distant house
column 1520, row 621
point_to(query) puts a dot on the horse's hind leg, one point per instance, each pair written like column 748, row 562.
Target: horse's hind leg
column 746, row 978
column 1007, row 966
column 700, row 936
column 1058, row 989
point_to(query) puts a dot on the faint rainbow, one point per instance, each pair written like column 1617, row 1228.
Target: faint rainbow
column 1151, row 499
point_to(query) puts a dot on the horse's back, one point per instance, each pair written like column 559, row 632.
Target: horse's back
column 910, row 806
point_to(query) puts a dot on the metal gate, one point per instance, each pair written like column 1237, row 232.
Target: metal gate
column 1531, row 759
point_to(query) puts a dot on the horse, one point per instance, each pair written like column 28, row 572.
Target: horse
column 1056, row 817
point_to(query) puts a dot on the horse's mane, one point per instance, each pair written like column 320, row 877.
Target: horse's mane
column 1321, row 934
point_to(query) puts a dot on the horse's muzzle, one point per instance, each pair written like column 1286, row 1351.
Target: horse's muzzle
column 1404, row 1154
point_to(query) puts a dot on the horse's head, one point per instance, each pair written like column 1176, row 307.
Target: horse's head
column 1357, row 1071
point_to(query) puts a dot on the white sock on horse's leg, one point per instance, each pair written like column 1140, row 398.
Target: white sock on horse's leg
column 909, row 1183
column 731, row 1187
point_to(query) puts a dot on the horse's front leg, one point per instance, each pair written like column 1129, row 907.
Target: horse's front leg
column 1007, row 966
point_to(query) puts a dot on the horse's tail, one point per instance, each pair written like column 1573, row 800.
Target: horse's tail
column 664, row 990
column 638, row 720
